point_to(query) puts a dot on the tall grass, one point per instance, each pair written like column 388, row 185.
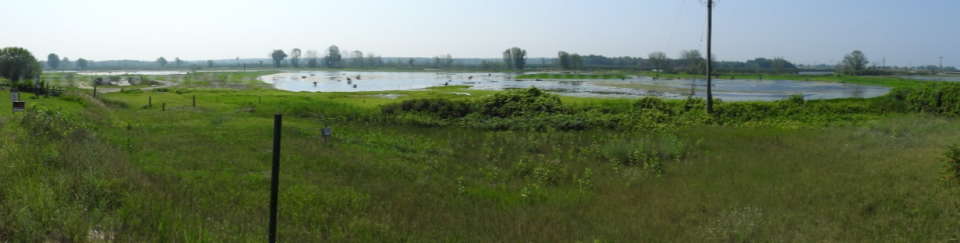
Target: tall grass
column 131, row 173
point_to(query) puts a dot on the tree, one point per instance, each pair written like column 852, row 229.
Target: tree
column 778, row 64
column 311, row 58
column 508, row 59
column 356, row 58
column 162, row 61
column 17, row 63
column 372, row 60
column 209, row 63
column 410, row 62
column 65, row 62
column 295, row 57
column 855, row 62
column 178, row 61
column 277, row 55
column 443, row 61
column 576, row 61
column 53, row 61
column 82, row 63
column 692, row 60
column 515, row 58
column 660, row 61
column 332, row 59
column 564, row 59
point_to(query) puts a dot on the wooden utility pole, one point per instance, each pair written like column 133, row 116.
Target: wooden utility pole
column 709, row 56
column 275, row 178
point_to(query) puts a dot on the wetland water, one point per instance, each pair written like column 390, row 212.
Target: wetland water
column 726, row 89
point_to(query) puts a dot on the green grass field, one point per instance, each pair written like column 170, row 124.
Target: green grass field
column 114, row 168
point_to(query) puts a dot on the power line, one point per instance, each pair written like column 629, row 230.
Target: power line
column 675, row 26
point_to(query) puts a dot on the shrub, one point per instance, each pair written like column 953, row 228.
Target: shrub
column 950, row 165
column 131, row 91
column 795, row 99
column 522, row 102
column 932, row 97
column 442, row 108
column 652, row 103
column 694, row 104
column 44, row 121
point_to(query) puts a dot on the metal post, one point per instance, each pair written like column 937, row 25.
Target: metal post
column 275, row 176
column 164, row 107
column 150, row 101
column 194, row 101
column 709, row 55
column 94, row 91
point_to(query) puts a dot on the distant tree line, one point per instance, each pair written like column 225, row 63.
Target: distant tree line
column 514, row 58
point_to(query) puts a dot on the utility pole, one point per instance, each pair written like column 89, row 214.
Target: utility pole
column 941, row 64
column 709, row 56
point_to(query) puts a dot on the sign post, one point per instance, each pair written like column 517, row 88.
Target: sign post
column 19, row 106
column 14, row 95
column 36, row 89
column 327, row 131
column 15, row 99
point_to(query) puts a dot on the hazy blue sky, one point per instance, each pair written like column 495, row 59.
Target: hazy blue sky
column 805, row 31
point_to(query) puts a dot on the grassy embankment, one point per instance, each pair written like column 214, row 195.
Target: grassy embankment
column 85, row 169
column 191, row 80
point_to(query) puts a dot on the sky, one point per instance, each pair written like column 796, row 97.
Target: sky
column 804, row 32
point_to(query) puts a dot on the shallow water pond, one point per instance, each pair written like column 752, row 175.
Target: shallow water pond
column 726, row 89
